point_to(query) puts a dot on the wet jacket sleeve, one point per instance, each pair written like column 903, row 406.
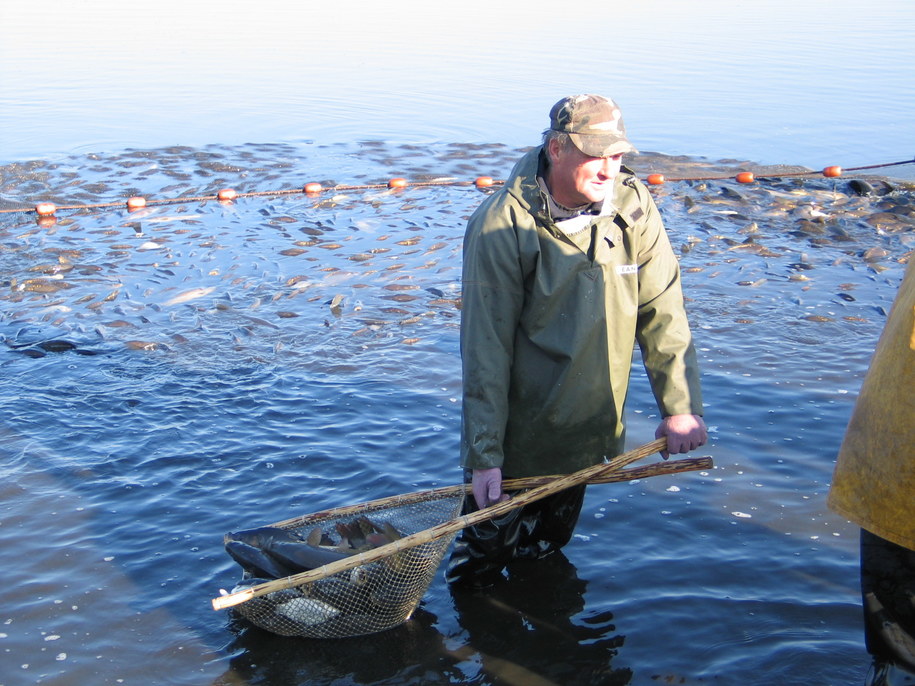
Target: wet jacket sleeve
column 493, row 297
column 662, row 328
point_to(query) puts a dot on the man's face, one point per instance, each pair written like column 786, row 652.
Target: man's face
column 576, row 179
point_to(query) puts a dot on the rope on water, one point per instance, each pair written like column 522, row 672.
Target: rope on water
column 47, row 209
column 749, row 177
column 227, row 195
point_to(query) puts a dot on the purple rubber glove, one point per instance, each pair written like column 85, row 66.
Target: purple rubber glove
column 487, row 487
column 684, row 432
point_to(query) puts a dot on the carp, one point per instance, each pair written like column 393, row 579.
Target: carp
column 273, row 552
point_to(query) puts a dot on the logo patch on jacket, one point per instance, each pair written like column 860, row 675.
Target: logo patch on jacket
column 627, row 269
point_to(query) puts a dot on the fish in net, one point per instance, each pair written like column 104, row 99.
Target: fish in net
column 365, row 598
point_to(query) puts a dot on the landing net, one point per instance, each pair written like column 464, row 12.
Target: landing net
column 370, row 597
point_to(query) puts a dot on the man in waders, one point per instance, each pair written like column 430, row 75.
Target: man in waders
column 565, row 268
column 874, row 486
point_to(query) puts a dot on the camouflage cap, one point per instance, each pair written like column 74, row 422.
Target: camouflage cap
column 594, row 123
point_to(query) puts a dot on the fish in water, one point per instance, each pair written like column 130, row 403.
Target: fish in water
column 41, row 348
column 192, row 294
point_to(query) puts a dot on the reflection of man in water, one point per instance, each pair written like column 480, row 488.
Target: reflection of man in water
column 565, row 268
column 524, row 632
column 874, row 484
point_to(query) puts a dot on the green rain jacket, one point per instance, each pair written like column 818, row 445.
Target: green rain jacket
column 548, row 328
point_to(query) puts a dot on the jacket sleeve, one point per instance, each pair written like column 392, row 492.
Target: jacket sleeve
column 662, row 328
column 493, row 295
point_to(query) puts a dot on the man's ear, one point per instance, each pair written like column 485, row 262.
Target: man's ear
column 552, row 149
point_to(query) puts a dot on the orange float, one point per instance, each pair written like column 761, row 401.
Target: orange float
column 45, row 209
column 226, row 195
column 656, row 179
column 832, row 171
column 313, row 188
column 745, row 177
column 135, row 203
column 483, row 181
column 397, row 183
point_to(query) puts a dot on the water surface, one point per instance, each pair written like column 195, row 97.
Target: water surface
column 176, row 373
column 189, row 369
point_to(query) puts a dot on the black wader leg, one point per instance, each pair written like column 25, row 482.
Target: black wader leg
column 888, row 594
column 481, row 551
column 547, row 525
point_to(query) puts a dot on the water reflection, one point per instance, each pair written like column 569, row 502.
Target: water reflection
column 403, row 655
column 527, row 629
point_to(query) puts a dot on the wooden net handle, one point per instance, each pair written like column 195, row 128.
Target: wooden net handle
column 444, row 529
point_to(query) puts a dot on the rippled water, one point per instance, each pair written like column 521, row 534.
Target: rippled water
column 179, row 372
column 175, row 373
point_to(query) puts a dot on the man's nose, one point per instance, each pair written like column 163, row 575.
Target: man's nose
column 610, row 167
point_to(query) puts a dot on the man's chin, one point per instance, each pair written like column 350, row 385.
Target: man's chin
column 596, row 195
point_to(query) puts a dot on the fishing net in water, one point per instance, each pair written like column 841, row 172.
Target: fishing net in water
column 367, row 597
column 383, row 554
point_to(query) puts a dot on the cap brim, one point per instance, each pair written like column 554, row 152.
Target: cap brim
column 602, row 146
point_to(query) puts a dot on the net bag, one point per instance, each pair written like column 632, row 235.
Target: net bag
column 366, row 598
